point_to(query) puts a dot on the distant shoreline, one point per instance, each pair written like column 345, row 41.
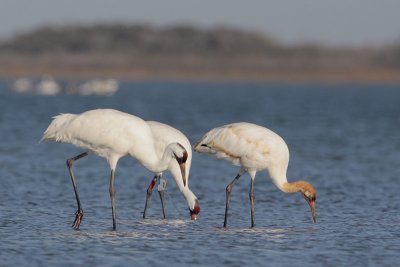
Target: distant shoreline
column 185, row 53
column 230, row 75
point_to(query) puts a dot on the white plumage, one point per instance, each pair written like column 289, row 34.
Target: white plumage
column 250, row 146
column 108, row 133
column 254, row 148
column 112, row 134
column 163, row 136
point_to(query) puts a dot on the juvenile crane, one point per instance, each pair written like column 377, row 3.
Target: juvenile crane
column 112, row 134
column 254, row 148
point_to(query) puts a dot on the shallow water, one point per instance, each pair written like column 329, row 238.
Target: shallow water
column 344, row 139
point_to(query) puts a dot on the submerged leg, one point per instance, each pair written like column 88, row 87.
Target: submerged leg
column 79, row 212
column 112, row 196
column 148, row 195
column 228, row 196
column 251, row 195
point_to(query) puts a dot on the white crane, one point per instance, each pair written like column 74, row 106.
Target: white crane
column 112, row 134
column 254, row 148
column 163, row 136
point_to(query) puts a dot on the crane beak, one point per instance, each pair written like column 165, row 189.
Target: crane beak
column 182, row 163
column 312, row 206
column 182, row 166
column 311, row 202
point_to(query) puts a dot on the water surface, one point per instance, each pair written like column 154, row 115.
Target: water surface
column 344, row 139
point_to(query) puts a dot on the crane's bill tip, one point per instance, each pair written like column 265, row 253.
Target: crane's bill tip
column 313, row 211
column 43, row 139
column 314, row 217
column 195, row 147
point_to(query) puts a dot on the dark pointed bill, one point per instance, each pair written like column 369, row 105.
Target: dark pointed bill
column 182, row 166
column 311, row 202
column 312, row 206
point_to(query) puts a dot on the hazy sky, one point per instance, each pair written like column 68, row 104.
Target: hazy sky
column 327, row 21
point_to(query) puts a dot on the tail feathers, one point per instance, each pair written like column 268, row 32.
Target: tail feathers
column 56, row 127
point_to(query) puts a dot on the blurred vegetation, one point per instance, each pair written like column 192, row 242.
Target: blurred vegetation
column 137, row 39
column 183, row 51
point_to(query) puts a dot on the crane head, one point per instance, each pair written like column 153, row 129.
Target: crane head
column 309, row 194
column 195, row 210
column 203, row 148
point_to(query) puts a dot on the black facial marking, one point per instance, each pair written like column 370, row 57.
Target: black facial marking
column 184, row 157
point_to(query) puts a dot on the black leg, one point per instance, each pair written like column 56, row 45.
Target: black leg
column 251, row 195
column 112, row 196
column 148, row 195
column 228, row 197
column 161, row 193
column 79, row 212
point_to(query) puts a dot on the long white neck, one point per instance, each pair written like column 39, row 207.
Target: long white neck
column 281, row 182
column 149, row 159
column 190, row 197
column 278, row 177
column 187, row 193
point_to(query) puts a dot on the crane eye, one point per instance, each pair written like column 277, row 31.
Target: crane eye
column 204, row 145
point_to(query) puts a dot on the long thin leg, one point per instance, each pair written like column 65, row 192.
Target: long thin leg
column 161, row 193
column 112, row 196
column 148, row 195
column 251, row 195
column 79, row 212
column 228, row 196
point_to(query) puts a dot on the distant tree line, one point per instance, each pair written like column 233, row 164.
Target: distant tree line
column 186, row 45
column 139, row 38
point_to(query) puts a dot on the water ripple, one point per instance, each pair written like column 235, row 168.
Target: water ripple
column 342, row 138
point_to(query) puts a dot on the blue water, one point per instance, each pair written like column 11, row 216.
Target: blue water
column 344, row 139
